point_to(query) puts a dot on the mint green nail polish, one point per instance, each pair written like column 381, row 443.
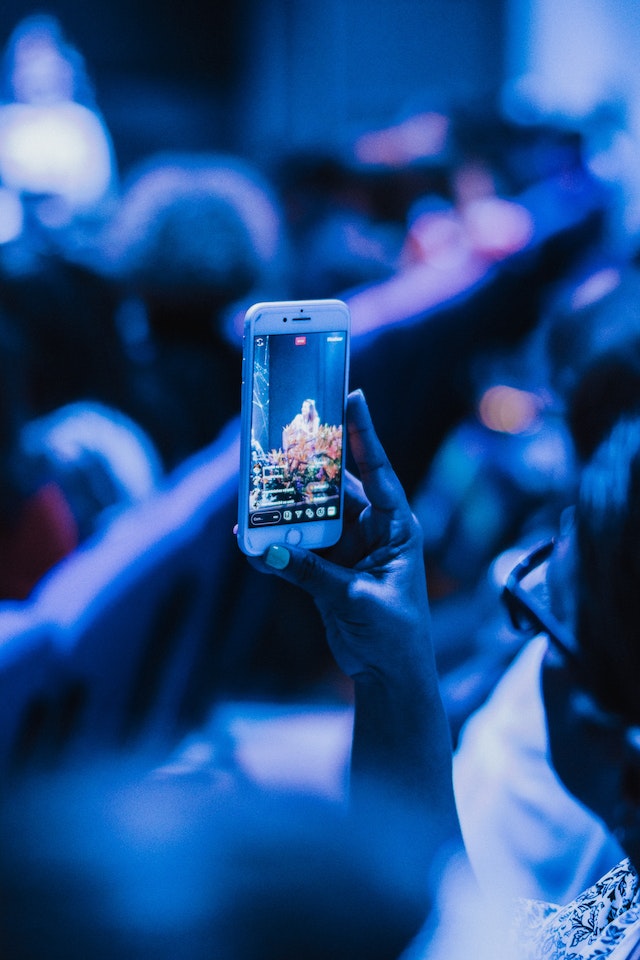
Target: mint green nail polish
column 277, row 557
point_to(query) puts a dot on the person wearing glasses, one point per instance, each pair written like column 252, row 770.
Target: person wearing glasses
column 523, row 829
column 589, row 687
column 581, row 592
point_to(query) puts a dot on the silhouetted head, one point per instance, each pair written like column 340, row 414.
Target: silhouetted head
column 591, row 698
column 608, row 568
column 195, row 229
column 40, row 66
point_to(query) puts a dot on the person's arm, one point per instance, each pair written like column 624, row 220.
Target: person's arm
column 371, row 592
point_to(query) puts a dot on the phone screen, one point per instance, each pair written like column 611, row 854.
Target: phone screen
column 296, row 427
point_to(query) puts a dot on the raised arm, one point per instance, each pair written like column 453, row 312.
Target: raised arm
column 371, row 592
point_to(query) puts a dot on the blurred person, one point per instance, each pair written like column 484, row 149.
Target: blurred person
column 37, row 525
column 476, row 225
column 303, row 429
column 588, row 674
column 81, row 420
column 55, row 150
column 466, row 213
column 194, row 237
column 62, row 474
column 540, row 411
column 346, row 219
column 64, row 394
column 101, row 458
column 57, row 165
column 66, row 312
column 521, row 827
column 58, row 175
column 591, row 343
column 500, row 477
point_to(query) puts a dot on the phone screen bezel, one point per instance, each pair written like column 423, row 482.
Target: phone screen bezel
column 269, row 319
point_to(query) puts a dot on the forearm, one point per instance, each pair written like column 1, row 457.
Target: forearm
column 401, row 743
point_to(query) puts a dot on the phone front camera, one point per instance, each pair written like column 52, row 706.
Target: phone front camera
column 284, row 319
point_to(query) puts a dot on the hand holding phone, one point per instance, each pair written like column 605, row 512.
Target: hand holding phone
column 295, row 374
column 372, row 594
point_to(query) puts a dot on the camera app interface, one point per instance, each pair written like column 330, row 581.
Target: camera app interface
column 296, row 428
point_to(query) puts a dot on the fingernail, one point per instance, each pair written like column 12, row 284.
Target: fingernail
column 277, row 557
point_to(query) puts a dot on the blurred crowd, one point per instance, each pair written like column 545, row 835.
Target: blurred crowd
column 122, row 291
column 122, row 295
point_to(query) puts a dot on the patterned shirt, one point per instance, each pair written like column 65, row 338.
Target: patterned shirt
column 604, row 921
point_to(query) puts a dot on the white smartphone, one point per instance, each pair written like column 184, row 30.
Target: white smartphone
column 295, row 364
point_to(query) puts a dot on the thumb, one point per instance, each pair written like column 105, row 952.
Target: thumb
column 325, row 581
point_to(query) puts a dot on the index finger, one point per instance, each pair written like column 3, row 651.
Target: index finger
column 380, row 483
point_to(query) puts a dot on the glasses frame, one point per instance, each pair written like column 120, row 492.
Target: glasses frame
column 520, row 605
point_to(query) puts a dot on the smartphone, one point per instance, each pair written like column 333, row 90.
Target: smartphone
column 295, row 364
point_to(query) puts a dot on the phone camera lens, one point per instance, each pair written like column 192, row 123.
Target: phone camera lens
column 284, row 319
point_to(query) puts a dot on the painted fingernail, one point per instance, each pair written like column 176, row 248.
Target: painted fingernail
column 277, row 557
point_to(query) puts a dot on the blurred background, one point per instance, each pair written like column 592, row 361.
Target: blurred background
column 243, row 77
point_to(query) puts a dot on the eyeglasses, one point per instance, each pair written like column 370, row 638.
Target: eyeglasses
column 526, row 596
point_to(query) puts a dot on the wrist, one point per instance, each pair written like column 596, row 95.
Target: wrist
column 402, row 742
column 400, row 724
column 402, row 662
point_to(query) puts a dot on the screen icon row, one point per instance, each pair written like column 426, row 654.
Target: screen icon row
column 293, row 515
column 308, row 513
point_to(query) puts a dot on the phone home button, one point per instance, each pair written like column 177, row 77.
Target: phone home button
column 293, row 537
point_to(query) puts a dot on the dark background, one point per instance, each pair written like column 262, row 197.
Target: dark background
column 264, row 77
